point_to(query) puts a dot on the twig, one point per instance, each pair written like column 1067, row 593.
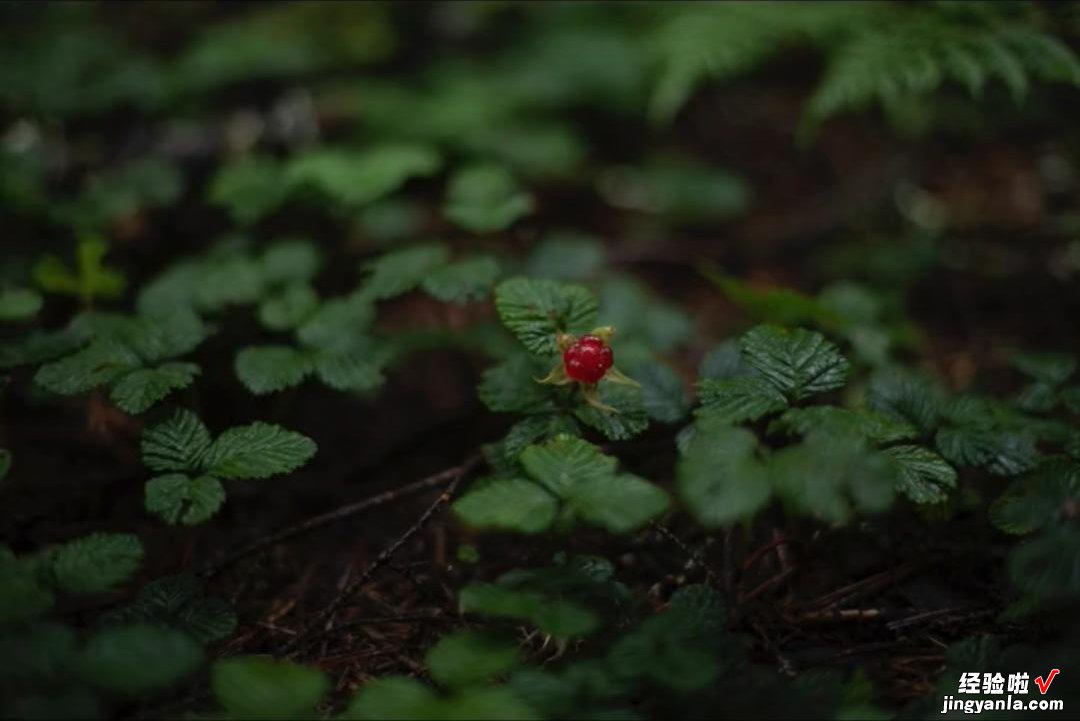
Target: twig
column 767, row 585
column 325, row 617
column 341, row 513
column 861, row 588
column 694, row 556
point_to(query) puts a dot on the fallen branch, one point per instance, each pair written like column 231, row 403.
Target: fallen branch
column 326, row 616
column 348, row 511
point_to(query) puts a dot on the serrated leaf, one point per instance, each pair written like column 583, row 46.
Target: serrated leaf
column 833, row 478
column 1050, row 368
column 91, row 278
column 337, row 322
column 248, row 188
column 1037, row 499
column 511, row 504
column 23, row 594
column 536, row 310
column 923, row 476
column 402, row 270
column 468, row 657
column 662, row 392
column 356, row 368
column 618, row 503
column 565, row 462
column 566, row 256
column 358, row 177
column 463, row 280
column 394, row 697
column 535, row 429
column 558, row 616
column 736, row 400
column 485, row 198
column 1001, row 452
column 101, row 362
column 1048, row 564
column 292, row 262
column 260, row 687
column 177, row 498
column 630, row 417
column 723, row 360
column 178, row 444
column 139, row 390
column 95, row 563
column 799, row 363
column 720, row 479
column 1038, row 397
column 39, row 653
column 165, row 334
column 289, row 307
column 259, row 450
column 907, row 396
column 207, row 619
column 18, row 304
column 873, row 427
column 271, row 368
column 138, row 658
column 511, row 386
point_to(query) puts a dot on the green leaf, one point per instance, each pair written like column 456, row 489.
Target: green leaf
column 1038, row 499
column 249, row 188
column 337, row 322
column 18, row 304
column 799, row 363
column 719, row 477
column 781, row 306
column 618, row 503
column 139, row 390
column 101, row 362
column 357, row 368
column 832, row 478
column 567, row 255
column 289, row 262
column 923, row 476
column 1050, row 368
column 565, row 462
column 871, row 426
column 462, row 281
column 485, row 198
column 178, row 444
column 96, row 563
column 630, row 418
column 510, row 504
column 271, row 368
column 90, row 279
column 1048, row 564
column 662, row 392
column 394, row 697
column 468, row 657
column 736, row 400
column 536, row 310
column 1038, row 397
column 555, row 615
column 41, row 652
column 177, row 498
column 138, row 659
column 402, row 270
column 260, row 687
column 1001, row 452
column 288, row 308
column 23, row 595
column 723, row 360
column 906, row 396
column 642, row 317
column 511, row 386
column 535, row 429
column 162, row 335
column 207, row 619
column 354, row 178
column 259, row 450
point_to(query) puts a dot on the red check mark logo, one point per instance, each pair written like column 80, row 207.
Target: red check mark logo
column 1044, row 685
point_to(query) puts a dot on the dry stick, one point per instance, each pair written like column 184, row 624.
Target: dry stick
column 343, row 512
column 384, row 557
column 690, row 553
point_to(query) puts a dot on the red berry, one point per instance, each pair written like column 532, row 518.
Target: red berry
column 588, row 359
